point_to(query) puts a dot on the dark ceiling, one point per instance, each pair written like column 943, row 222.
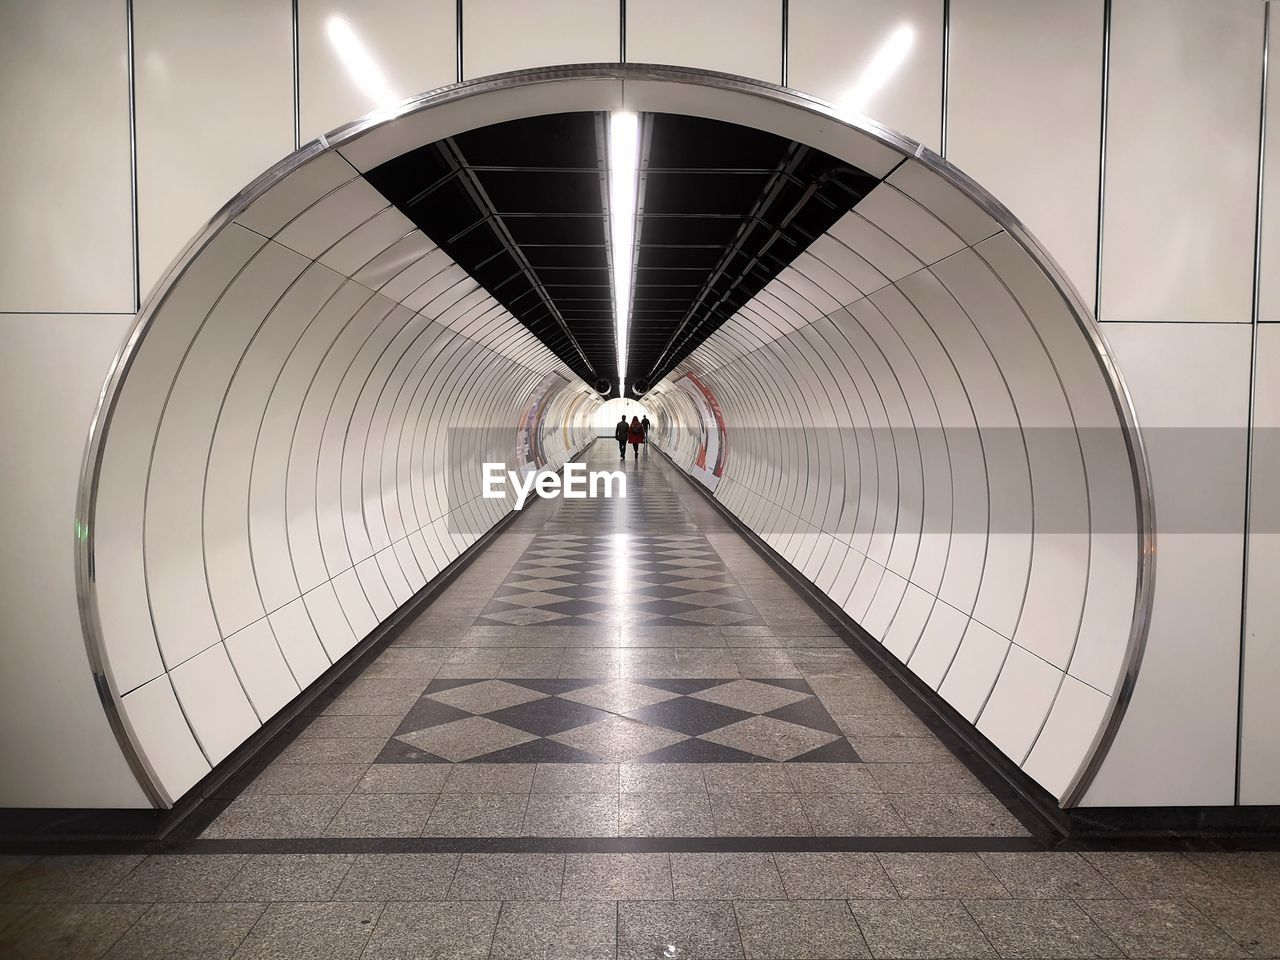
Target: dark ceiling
column 521, row 206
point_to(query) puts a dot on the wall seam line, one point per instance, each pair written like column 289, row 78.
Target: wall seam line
column 1255, row 312
column 457, row 30
column 786, row 39
column 297, row 78
column 133, row 155
column 1102, row 155
column 946, row 74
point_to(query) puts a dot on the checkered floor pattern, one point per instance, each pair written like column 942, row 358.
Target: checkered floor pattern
column 650, row 506
column 674, row 579
column 618, row 721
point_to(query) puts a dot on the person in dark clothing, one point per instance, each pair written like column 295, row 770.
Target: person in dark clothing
column 620, row 433
column 645, row 423
column 635, row 436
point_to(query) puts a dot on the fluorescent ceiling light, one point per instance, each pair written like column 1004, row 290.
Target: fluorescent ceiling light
column 884, row 63
column 624, row 162
column 365, row 71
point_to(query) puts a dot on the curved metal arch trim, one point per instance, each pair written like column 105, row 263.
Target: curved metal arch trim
column 99, row 427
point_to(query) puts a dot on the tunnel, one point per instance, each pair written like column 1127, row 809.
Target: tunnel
column 877, row 372
column 633, row 479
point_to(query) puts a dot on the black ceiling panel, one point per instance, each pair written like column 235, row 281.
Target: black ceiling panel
column 521, row 207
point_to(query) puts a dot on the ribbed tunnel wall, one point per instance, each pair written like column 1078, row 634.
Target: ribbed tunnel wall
column 912, row 415
column 293, row 453
column 917, row 415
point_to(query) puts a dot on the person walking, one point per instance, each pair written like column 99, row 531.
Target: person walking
column 636, row 436
column 645, row 423
column 620, row 433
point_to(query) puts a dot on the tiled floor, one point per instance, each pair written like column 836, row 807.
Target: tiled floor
column 617, row 668
column 563, row 700
column 638, row 906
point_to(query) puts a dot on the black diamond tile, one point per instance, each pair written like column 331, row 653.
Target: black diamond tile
column 688, row 715
column 576, row 608
column 430, row 713
column 665, row 591
column 439, row 686
column 837, row 751
column 700, row 751
column 742, row 606
column 666, row 608
column 553, row 686
column 787, row 683
column 547, row 716
column 397, row 751
column 808, row 713
column 538, row 751
column 578, row 591
column 682, row 686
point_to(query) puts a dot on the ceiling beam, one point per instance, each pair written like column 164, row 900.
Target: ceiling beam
column 458, row 165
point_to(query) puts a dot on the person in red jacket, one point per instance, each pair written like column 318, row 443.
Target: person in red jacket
column 636, row 436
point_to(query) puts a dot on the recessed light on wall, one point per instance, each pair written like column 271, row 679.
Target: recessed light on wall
column 365, row 71
column 884, row 63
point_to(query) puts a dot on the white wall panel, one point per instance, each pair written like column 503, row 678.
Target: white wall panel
column 1269, row 307
column 885, row 605
column 1020, row 702
column 974, row 670
column 909, row 622
column 731, row 36
column 299, row 642
column 938, row 644
column 299, row 190
column 1034, row 143
column 232, row 573
column 261, row 668
column 1190, row 388
column 178, row 587
column 367, row 241
column 124, row 606
column 882, row 58
column 214, row 89
column 412, row 43
column 1259, row 745
column 214, row 702
column 326, row 222
column 1182, row 113
column 909, row 223
column 276, row 559
column 164, row 736
column 1067, row 735
column 66, row 235
column 47, row 396
column 355, row 604
column 502, row 35
column 334, row 627
column 945, row 201
column 393, row 576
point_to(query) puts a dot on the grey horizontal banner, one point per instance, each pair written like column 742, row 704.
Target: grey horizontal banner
column 856, row 482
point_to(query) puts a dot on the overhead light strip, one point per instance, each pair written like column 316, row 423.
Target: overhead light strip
column 624, row 163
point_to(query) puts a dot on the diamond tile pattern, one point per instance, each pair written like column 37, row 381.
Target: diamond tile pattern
column 613, row 721
column 666, row 579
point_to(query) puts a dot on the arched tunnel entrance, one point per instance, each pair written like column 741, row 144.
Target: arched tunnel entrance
column 908, row 403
